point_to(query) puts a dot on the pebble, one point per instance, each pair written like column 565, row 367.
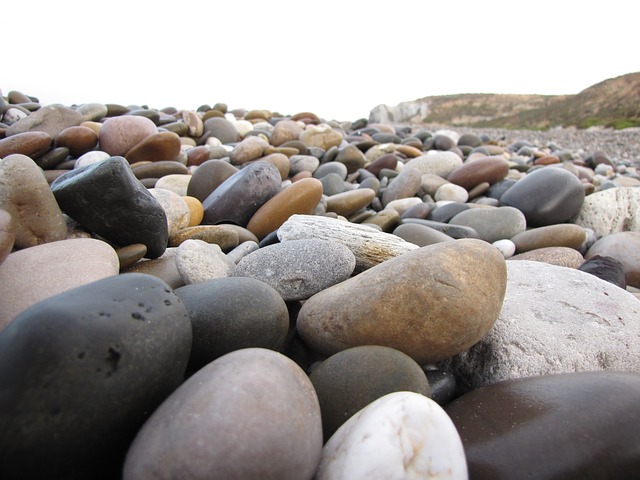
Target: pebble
column 225, row 236
column 550, row 324
column 473, row 173
column 222, row 129
column 198, row 261
column 159, row 146
column 232, row 313
column 492, row 224
column 249, row 149
column 33, row 144
column 399, row 435
column 560, row 235
column 26, row 196
column 109, row 201
column 511, row 429
column 51, row 119
column 175, row 209
column 163, row 267
column 560, row 256
column 209, row 176
column 120, row 134
column 282, row 438
column 348, row 203
column 353, row 378
column 415, row 310
column 79, row 140
column 36, row 273
column 420, row 235
column 196, row 211
column 452, row 193
column 405, row 185
column 506, row 247
column 115, row 348
column 298, row 269
column 624, row 247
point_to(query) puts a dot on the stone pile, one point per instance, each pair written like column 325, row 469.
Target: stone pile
column 244, row 294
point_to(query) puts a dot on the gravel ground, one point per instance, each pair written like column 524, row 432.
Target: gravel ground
column 621, row 146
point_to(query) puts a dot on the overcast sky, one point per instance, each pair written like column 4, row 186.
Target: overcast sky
column 338, row 59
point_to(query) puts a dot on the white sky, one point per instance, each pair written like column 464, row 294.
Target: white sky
column 338, row 59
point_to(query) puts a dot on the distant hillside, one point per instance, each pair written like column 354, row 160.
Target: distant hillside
column 612, row 103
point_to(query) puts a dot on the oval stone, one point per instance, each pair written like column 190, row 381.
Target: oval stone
column 353, row 378
column 224, row 236
column 300, row 197
column 347, row 203
column 420, row 235
column 419, row 303
column 240, row 196
column 298, row 269
column 119, row 134
column 492, row 224
column 511, row 429
column 559, row 235
column 560, row 256
column 487, row 169
column 252, row 413
column 31, row 144
column 546, row 196
column 114, row 349
column 208, row 176
column 251, row 148
column 436, row 163
column 401, row 435
column 405, row 185
column 25, row 194
column 79, row 140
column 222, row 129
column 159, row 146
column 233, row 313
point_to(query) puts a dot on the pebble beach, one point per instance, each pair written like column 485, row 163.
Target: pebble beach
column 232, row 293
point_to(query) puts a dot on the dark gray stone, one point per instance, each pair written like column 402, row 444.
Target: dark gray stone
column 81, row 372
column 108, row 200
column 207, row 177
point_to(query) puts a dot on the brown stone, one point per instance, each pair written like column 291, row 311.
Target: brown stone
column 31, row 144
column 323, row 136
column 251, row 148
column 79, row 140
column 349, row 202
column 197, row 155
column 284, row 131
column 130, row 254
column 300, row 197
column 158, row 169
column 281, row 162
column 559, row 235
column 560, row 256
column 389, row 161
column 225, row 236
column 163, row 267
column 487, row 169
column 7, row 235
column 157, row 146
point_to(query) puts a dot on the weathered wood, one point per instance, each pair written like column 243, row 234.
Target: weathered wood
column 369, row 245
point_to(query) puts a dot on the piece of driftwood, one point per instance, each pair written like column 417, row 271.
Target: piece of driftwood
column 370, row 246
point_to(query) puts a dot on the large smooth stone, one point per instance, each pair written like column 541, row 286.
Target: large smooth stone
column 209, row 176
column 570, row 426
column 25, row 194
column 31, row 275
column 624, row 247
column 240, row 196
column 403, row 435
column 252, row 413
column 560, row 235
column 492, row 224
column 429, row 303
column 51, row 119
column 298, row 269
column 80, row 373
column 32, row 144
column 120, row 134
column 353, row 378
column 475, row 172
column 107, row 199
column 546, row 196
column 300, row 197
column 79, row 140
column 554, row 320
column 233, row 313
column 609, row 211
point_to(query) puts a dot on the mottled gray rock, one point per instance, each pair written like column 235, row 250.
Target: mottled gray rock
column 554, row 320
column 199, row 261
column 611, row 210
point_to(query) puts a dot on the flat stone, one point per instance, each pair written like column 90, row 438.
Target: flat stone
column 113, row 350
column 120, row 134
column 31, row 144
column 240, row 196
column 399, row 435
column 159, row 146
column 407, row 303
column 353, row 378
column 472, row 173
column 420, row 235
column 298, row 269
column 554, row 320
column 282, row 438
column 492, row 224
column 624, row 247
column 109, row 201
column 225, row 236
column 510, row 429
column 444, row 213
column 300, row 197
column 454, row 231
column 31, row 275
column 51, row 119
column 199, row 261
column 232, row 313
column 560, row 256
column 26, row 196
column 349, row 202
column 609, row 211
column 559, row 235
column 546, row 196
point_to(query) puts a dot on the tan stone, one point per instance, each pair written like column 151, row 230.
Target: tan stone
column 560, row 256
column 430, row 303
column 223, row 235
column 559, row 235
column 350, row 202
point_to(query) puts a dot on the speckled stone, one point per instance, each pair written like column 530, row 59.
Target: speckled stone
column 407, row 303
column 199, row 261
column 26, row 196
column 31, row 275
column 282, row 439
column 609, row 211
column 51, row 119
column 298, row 269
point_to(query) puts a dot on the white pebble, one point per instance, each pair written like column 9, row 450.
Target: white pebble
column 452, row 192
column 90, row 158
column 506, row 247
